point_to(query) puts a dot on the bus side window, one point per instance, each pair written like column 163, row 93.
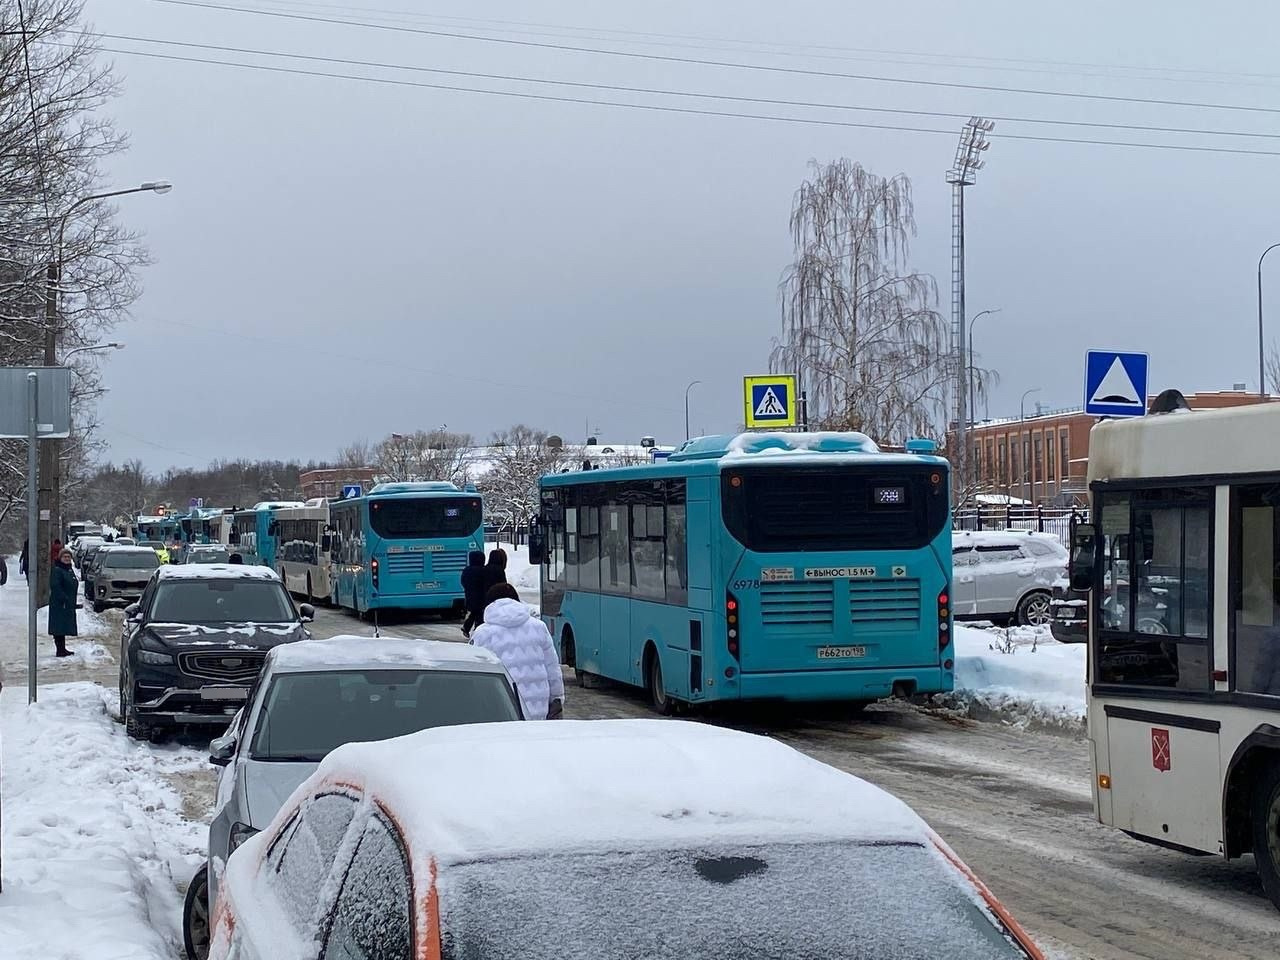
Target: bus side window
column 1256, row 602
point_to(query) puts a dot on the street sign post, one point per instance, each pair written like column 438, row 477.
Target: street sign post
column 770, row 401
column 351, row 490
column 1115, row 383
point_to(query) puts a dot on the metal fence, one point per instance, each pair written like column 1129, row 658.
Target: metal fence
column 1055, row 520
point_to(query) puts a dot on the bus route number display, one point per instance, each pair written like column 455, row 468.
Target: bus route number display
column 889, row 496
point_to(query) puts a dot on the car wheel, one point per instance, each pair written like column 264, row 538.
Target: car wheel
column 1035, row 610
column 655, row 687
column 98, row 606
column 1266, row 832
column 135, row 728
column 195, row 916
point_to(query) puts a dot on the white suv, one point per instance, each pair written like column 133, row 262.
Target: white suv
column 1005, row 576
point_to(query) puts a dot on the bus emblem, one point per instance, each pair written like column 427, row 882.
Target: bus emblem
column 1161, row 752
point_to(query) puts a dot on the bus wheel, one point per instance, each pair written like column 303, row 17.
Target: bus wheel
column 654, row 685
column 1266, row 831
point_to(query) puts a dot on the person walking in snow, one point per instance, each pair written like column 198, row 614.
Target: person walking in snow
column 523, row 644
column 63, row 590
column 495, row 571
column 22, row 560
column 473, row 591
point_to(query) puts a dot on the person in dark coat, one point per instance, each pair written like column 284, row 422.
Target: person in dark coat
column 63, row 590
column 473, row 591
column 495, row 571
column 22, row 560
column 4, row 572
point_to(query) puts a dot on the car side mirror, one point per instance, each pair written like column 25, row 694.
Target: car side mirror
column 222, row 750
column 1084, row 554
column 307, row 612
column 132, row 612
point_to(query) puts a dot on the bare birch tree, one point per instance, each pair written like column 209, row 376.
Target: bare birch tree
column 860, row 327
column 425, row 455
column 519, row 458
column 1273, row 369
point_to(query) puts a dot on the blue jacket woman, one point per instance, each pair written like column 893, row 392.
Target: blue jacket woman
column 64, row 589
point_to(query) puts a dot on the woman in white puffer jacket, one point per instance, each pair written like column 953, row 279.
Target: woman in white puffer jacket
column 524, row 646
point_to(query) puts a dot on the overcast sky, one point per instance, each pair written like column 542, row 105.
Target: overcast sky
column 342, row 259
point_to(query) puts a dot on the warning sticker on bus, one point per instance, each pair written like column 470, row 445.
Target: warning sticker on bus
column 839, row 573
column 777, row 574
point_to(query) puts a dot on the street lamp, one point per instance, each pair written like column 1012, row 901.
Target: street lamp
column 49, row 497
column 1262, row 382
column 686, row 406
column 1022, row 419
column 113, row 345
column 973, row 391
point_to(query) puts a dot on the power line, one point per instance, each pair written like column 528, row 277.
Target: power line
column 664, row 108
column 618, row 88
column 1197, row 75
column 666, row 58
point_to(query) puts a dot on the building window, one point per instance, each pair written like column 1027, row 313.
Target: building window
column 1050, row 474
column 1039, row 467
column 1002, row 446
column 1015, row 475
column 990, row 459
column 1066, row 454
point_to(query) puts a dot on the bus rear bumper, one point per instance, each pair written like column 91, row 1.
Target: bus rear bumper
column 415, row 601
column 868, row 684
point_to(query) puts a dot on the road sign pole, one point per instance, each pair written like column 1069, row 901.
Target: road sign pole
column 33, row 513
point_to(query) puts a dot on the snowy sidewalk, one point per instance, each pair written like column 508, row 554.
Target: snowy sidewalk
column 94, row 841
column 1021, row 675
column 90, row 648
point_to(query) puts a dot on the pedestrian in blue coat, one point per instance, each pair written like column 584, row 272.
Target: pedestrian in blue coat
column 64, row 591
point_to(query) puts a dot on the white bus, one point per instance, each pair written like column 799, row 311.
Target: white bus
column 1182, row 559
column 303, row 539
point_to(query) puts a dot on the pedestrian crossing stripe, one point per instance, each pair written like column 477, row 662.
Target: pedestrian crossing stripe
column 769, row 401
column 770, row 405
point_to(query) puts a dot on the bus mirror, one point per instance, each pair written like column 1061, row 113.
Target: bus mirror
column 326, row 543
column 1083, row 557
column 537, row 545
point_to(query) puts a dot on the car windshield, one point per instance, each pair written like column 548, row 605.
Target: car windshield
column 844, row 901
column 305, row 715
column 222, row 600
column 131, row 560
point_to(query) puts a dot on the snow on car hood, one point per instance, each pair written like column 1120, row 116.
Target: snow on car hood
column 248, row 636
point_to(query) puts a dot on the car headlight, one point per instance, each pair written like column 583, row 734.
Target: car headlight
column 240, row 832
column 154, row 658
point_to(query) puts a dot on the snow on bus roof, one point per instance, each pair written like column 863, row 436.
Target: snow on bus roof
column 217, row 571
column 591, row 785
column 355, row 651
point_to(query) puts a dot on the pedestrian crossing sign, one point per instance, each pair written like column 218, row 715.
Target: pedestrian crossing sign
column 770, row 401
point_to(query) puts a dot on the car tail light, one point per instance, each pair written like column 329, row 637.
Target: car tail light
column 731, row 612
column 944, row 618
column 373, row 569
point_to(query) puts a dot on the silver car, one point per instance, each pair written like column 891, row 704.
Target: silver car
column 315, row 695
column 120, row 574
column 1005, row 576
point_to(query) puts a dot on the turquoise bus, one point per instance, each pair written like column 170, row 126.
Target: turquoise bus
column 253, row 532
column 403, row 546
column 800, row 567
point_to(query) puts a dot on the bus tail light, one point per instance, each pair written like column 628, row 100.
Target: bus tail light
column 944, row 618
column 373, row 570
column 731, row 611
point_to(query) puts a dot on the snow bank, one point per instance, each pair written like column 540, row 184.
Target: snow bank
column 1038, row 681
column 94, row 838
column 88, row 649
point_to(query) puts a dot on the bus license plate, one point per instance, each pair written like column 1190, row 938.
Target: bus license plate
column 841, row 653
column 427, row 585
column 224, row 693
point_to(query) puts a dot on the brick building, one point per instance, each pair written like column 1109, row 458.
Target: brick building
column 328, row 482
column 1044, row 458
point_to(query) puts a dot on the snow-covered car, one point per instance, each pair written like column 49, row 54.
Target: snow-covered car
column 599, row 840
column 205, row 553
column 316, row 695
column 195, row 641
column 1005, row 576
column 82, row 544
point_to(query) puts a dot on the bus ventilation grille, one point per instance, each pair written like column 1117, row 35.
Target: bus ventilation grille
column 404, row 563
column 885, row 603
column 810, row 604
column 451, row 562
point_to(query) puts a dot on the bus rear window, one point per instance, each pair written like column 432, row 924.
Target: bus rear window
column 414, row 518
column 773, row 509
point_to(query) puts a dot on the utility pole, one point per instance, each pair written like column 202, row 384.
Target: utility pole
column 963, row 173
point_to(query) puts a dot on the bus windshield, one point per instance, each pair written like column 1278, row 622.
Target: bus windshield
column 411, row 518
column 777, row 509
